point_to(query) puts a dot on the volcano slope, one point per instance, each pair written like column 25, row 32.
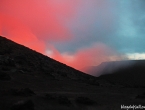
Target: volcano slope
column 32, row 81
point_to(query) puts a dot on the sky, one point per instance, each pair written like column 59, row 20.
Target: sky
column 79, row 33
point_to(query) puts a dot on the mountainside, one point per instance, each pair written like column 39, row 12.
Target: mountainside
column 32, row 81
column 129, row 72
column 18, row 58
column 23, row 70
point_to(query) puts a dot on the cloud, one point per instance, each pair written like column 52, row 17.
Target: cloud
column 20, row 33
column 129, row 35
column 85, row 57
column 136, row 56
column 65, row 29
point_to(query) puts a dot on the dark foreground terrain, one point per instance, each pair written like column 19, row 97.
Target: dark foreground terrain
column 32, row 81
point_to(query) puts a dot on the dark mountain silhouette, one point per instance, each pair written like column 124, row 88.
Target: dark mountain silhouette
column 17, row 58
column 32, row 81
column 129, row 72
column 109, row 67
column 24, row 71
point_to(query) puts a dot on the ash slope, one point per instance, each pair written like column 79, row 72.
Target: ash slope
column 23, row 70
column 17, row 58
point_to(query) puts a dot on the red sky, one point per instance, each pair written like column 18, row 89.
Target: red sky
column 36, row 24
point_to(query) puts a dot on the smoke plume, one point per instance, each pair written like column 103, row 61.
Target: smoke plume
column 36, row 24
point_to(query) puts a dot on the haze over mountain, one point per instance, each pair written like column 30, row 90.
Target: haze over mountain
column 32, row 81
column 127, row 72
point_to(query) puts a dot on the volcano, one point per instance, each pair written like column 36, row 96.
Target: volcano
column 32, row 81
